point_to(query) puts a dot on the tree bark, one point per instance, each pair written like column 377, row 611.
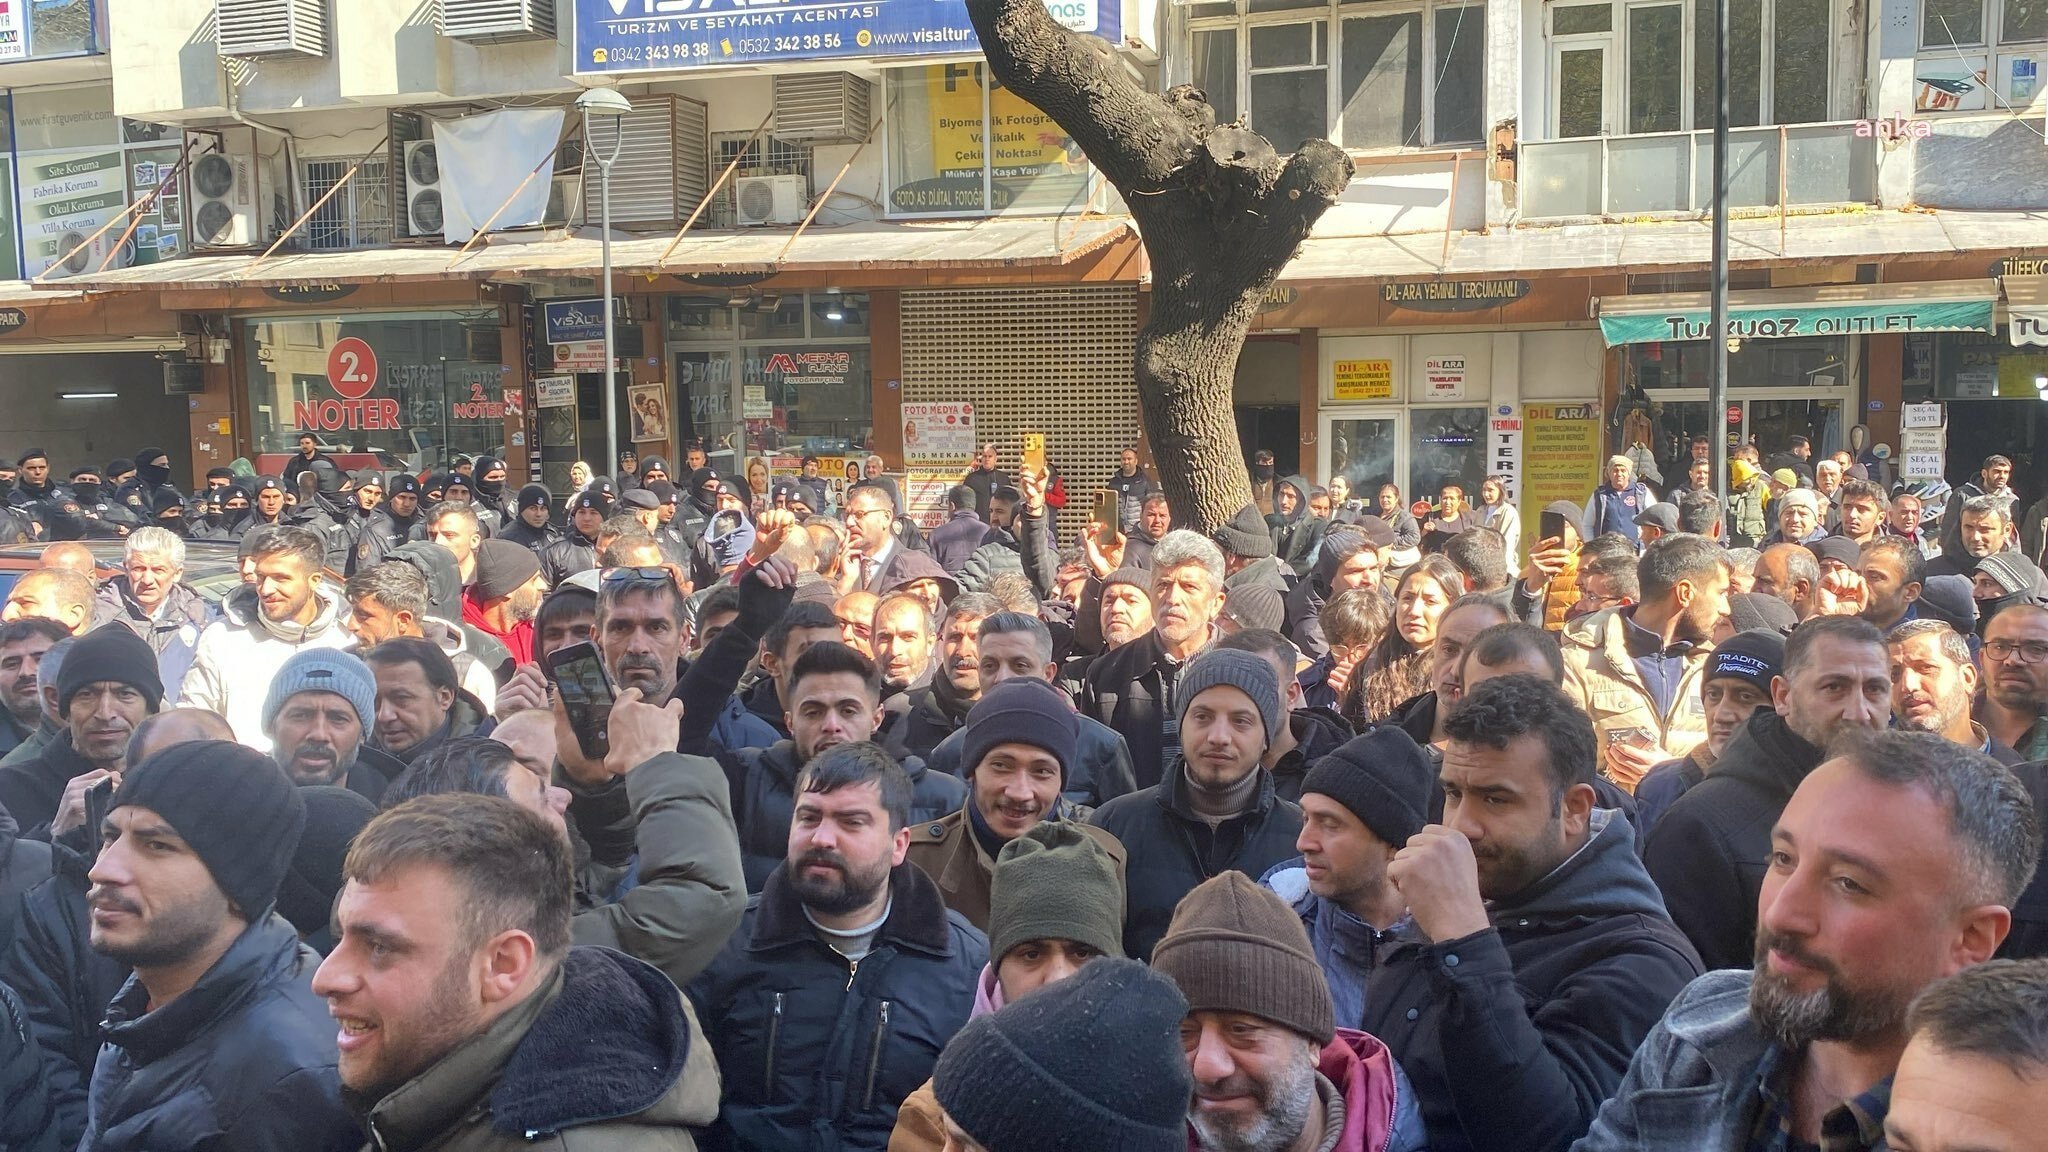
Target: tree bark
column 1220, row 213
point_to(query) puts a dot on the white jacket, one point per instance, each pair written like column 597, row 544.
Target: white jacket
column 241, row 653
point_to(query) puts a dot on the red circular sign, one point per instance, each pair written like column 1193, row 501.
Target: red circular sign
column 1734, row 414
column 352, row 368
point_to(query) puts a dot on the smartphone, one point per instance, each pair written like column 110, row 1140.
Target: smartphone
column 1033, row 460
column 587, row 696
column 1550, row 526
column 1106, row 514
column 97, row 799
column 1639, row 739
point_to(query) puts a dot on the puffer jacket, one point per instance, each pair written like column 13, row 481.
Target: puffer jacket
column 1101, row 770
column 606, row 1056
column 1171, row 850
column 1747, row 523
column 816, row 1052
column 28, row 1117
column 239, row 654
column 1601, row 677
column 1513, row 1036
column 763, row 786
column 245, row 1059
column 173, row 635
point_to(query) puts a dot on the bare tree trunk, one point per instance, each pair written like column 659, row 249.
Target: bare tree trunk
column 1220, row 212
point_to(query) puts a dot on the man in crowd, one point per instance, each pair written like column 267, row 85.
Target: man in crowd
column 420, row 705
column 1797, row 456
column 1799, row 515
column 481, row 885
column 1359, row 806
column 1018, row 741
column 390, row 526
column 1271, row 1068
column 939, row 708
column 1861, row 506
column 1984, row 526
column 53, row 594
column 1635, row 670
column 319, row 716
column 843, row 923
column 265, row 623
column 904, row 637
column 105, row 686
column 1893, row 573
column 22, row 645
column 1735, row 682
column 1530, row 912
column 1306, row 734
column 506, row 593
column 217, row 1040
column 964, row 530
column 1893, row 865
column 390, row 600
column 1132, row 488
column 530, row 526
column 803, row 625
column 1217, row 808
column 1132, row 689
column 1791, row 572
column 576, row 551
column 878, row 559
column 149, row 597
column 455, row 526
column 1613, row 506
column 1933, row 683
column 984, row 478
column 2014, row 710
column 1711, row 850
column 1969, row 1078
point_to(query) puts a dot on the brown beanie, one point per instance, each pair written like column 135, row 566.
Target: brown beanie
column 1236, row 947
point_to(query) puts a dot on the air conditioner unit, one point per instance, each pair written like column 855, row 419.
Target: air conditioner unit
column 487, row 21
column 271, row 27
column 422, row 188
column 235, row 189
column 664, row 164
column 77, row 255
column 771, row 199
column 822, row 107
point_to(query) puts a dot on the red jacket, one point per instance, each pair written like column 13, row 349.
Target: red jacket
column 519, row 640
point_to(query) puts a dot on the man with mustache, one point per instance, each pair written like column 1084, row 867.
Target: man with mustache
column 940, row 708
column 1017, row 743
column 105, row 686
column 1933, row 682
column 320, row 714
column 22, row 645
column 848, row 975
column 1894, row 864
column 217, row 1040
column 1502, row 994
column 1735, row 683
column 2015, row 658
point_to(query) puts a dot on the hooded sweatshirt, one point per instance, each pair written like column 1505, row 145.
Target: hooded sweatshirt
column 1295, row 537
column 241, row 653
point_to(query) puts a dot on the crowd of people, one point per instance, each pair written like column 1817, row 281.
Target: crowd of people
column 658, row 815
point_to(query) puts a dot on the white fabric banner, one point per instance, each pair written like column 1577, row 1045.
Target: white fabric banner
column 483, row 159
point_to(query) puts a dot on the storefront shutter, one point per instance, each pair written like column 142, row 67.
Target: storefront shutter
column 1056, row 360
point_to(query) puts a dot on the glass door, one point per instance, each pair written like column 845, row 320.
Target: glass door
column 707, row 409
column 1363, row 447
column 1771, row 424
column 1769, row 418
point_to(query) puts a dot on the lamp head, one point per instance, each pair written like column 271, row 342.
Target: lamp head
column 603, row 102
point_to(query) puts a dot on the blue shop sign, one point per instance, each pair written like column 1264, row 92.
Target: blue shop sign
column 613, row 36
column 570, row 321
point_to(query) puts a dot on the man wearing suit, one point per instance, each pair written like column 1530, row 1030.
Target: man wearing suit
column 955, row 540
column 870, row 511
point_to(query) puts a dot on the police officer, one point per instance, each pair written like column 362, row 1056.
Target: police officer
column 100, row 517
column 390, row 526
column 47, row 504
column 152, row 475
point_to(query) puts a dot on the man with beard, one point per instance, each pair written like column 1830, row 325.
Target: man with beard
column 217, row 1040
column 1735, row 683
column 1636, row 669
column 1528, row 911
column 904, row 636
column 1272, row 1070
column 505, row 595
column 847, row 971
column 105, row 686
column 1126, row 607
column 22, row 644
column 319, row 716
column 2015, row 700
column 1894, row 865
column 390, row 527
column 432, row 1054
column 283, row 611
column 309, row 451
column 530, row 525
column 420, row 704
column 390, row 600
column 940, row 708
column 1711, row 850
column 1132, row 689
column 455, row 527
column 1894, row 574
column 150, row 598
column 1933, row 682
column 1982, row 528
column 1018, row 741
column 1306, row 734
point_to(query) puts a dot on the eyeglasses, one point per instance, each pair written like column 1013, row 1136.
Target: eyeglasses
column 636, row 575
column 855, row 515
column 2029, row 651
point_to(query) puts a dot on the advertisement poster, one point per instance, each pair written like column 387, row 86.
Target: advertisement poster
column 924, row 495
column 13, row 30
column 65, row 198
column 1445, row 376
column 612, row 36
column 580, row 356
column 1560, row 455
column 10, row 257
column 938, row 437
column 554, row 391
column 1504, row 453
column 1021, row 143
column 1362, row 380
column 570, row 321
column 160, row 232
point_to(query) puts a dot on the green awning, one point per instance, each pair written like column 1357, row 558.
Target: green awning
column 1823, row 310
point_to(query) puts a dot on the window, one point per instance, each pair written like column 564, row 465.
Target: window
column 767, row 156
column 1407, row 74
column 961, row 144
column 1977, row 23
column 778, row 372
column 359, row 216
column 1626, row 63
column 1981, row 55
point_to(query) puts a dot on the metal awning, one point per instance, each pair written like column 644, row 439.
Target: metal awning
column 2026, row 308
column 994, row 242
column 1821, row 310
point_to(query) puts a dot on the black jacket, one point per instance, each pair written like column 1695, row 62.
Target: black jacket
column 1710, row 849
column 1514, row 1036
column 1171, row 850
column 28, row 1118
column 64, row 985
column 23, row 865
column 31, row 790
column 817, row 1053
column 520, row 532
column 564, row 558
column 1101, row 770
column 1127, row 690
column 1317, row 733
column 761, row 700
column 933, row 712
column 380, row 536
column 245, row 1059
column 762, row 782
column 956, row 539
column 2029, row 936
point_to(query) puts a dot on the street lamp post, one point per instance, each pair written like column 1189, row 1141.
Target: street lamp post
column 1717, row 337
column 607, row 103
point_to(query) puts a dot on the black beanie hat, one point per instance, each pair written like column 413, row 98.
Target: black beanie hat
column 1255, row 607
column 1092, row 1063
column 31, row 454
column 535, row 496
column 333, row 817
column 232, row 805
column 1020, row 711
column 1383, row 777
column 1948, row 599
column 211, row 473
column 109, row 653
column 121, row 464
column 403, row 484
column 1750, row 611
column 1756, row 656
column 1245, row 535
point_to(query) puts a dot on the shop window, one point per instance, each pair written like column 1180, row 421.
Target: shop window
column 1628, row 62
column 781, row 372
column 359, row 216
column 1797, row 362
column 1445, row 446
column 959, row 144
column 1980, row 55
column 1406, row 75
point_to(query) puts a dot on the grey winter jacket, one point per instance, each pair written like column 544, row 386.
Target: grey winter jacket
column 1693, row 1083
column 173, row 635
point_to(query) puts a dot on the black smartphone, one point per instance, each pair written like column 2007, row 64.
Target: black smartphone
column 578, row 673
column 97, row 799
column 1550, row 526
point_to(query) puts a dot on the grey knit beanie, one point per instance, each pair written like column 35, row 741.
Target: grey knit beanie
column 1248, row 673
column 323, row 670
